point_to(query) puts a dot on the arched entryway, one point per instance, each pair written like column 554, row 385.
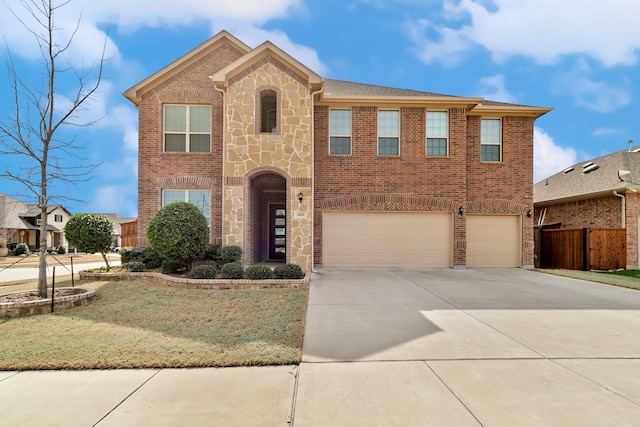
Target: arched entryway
column 268, row 220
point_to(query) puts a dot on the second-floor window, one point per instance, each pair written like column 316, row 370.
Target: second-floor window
column 388, row 132
column 437, row 133
column 187, row 128
column 200, row 198
column 490, row 140
column 57, row 218
column 268, row 111
column 340, row 132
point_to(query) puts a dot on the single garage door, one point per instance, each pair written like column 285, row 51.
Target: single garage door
column 493, row 241
column 387, row 239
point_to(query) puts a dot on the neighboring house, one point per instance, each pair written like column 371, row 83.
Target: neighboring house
column 294, row 167
column 20, row 223
column 598, row 193
column 117, row 228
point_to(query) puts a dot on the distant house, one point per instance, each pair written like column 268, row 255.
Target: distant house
column 20, row 223
column 598, row 193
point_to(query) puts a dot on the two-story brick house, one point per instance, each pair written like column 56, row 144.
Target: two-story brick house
column 292, row 166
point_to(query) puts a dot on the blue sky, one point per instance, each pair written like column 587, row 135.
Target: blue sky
column 579, row 57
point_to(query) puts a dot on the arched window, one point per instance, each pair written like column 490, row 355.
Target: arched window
column 268, row 111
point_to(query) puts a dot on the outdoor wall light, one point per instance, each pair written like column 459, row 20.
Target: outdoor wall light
column 300, row 197
column 529, row 213
column 461, row 211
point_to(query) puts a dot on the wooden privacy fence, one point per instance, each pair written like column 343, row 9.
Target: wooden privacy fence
column 129, row 233
column 583, row 248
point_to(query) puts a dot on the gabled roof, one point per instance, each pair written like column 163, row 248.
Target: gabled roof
column 134, row 93
column 265, row 49
column 597, row 177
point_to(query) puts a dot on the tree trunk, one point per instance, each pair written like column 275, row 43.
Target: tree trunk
column 42, row 265
column 106, row 260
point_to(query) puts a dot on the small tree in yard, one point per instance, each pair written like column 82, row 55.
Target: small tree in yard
column 179, row 234
column 90, row 233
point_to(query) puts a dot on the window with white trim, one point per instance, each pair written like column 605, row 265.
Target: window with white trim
column 388, row 132
column 200, row 198
column 187, row 128
column 491, row 140
column 57, row 218
column 437, row 133
column 340, row 132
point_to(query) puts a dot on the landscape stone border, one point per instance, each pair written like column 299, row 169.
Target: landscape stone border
column 81, row 297
column 217, row 284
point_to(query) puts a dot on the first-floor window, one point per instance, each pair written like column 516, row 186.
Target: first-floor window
column 200, row 198
column 490, row 140
column 388, row 133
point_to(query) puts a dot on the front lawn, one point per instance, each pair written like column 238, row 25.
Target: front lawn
column 136, row 324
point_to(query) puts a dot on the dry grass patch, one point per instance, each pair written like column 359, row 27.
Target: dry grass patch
column 136, row 324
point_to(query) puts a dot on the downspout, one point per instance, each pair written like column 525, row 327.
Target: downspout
column 313, row 172
column 623, row 207
column 224, row 147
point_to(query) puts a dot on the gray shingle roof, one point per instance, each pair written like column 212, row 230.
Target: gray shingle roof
column 591, row 177
column 343, row 88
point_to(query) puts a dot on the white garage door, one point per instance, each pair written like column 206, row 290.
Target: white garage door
column 387, row 239
column 493, row 241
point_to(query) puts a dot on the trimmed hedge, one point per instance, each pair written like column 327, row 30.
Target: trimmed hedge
column 203, row 271
column 232, row 270
column 258, row 272
column 134, row 266
column 288, row 271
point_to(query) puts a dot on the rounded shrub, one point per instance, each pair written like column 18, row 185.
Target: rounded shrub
column 151, row 259
column 134, row 266
column 90, row 233
column 232, row 270
column 258, row 272
column 288, row 271
column 21, row 249
column 203, row 271
column 211, row 252
column 179, row 234
column 61, row 250
column 229, row 254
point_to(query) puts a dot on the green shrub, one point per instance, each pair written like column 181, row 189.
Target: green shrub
column 258, row 272
column 50, row 250
column 151, row 259
column 90, row 233
column 203, row 271
column 288, row 271
column 229, row 254
column 232, row 270
column 211, row 252
column 21, row 249
column 61, row 250
column 178, row 233
column 134, row 266
column 128, row 255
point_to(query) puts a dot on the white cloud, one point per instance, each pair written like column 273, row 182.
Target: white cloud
column 549, row 158
column 115, row 199
column 449, row 49
column 541, row 29
column 493, row 88
column 589, row 93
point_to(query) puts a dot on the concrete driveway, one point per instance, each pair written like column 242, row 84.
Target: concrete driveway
column 390, row 347
column 491, row 347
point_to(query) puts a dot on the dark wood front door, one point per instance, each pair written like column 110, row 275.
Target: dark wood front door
column 277, row 231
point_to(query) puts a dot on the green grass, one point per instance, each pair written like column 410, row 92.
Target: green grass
column 136, row 324
column 625, row 273
column 624, row 278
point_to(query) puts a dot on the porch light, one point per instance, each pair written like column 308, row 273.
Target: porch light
column 300, row 197
column 461, row 211
column 529, row 213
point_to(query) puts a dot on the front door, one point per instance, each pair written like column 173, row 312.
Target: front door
column 277, row 231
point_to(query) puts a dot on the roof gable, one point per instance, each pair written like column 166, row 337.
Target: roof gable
column 134, row 93
column 265, row 52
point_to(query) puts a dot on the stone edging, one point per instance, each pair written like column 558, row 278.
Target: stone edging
column 43, row 306
column 218, row 284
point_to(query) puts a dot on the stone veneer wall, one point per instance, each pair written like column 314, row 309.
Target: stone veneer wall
column 286, row 152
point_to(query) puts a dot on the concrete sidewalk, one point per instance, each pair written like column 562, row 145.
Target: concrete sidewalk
column 503, row 347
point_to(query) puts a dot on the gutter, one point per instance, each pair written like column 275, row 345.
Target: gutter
column 623, row 207
column 224, row 151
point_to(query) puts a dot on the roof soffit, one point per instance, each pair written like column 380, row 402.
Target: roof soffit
column 222, row 77
column 135, row 92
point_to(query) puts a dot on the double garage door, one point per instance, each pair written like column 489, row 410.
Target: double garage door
column 416, row 239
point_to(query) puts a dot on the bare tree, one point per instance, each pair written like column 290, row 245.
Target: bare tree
column 33, row 133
